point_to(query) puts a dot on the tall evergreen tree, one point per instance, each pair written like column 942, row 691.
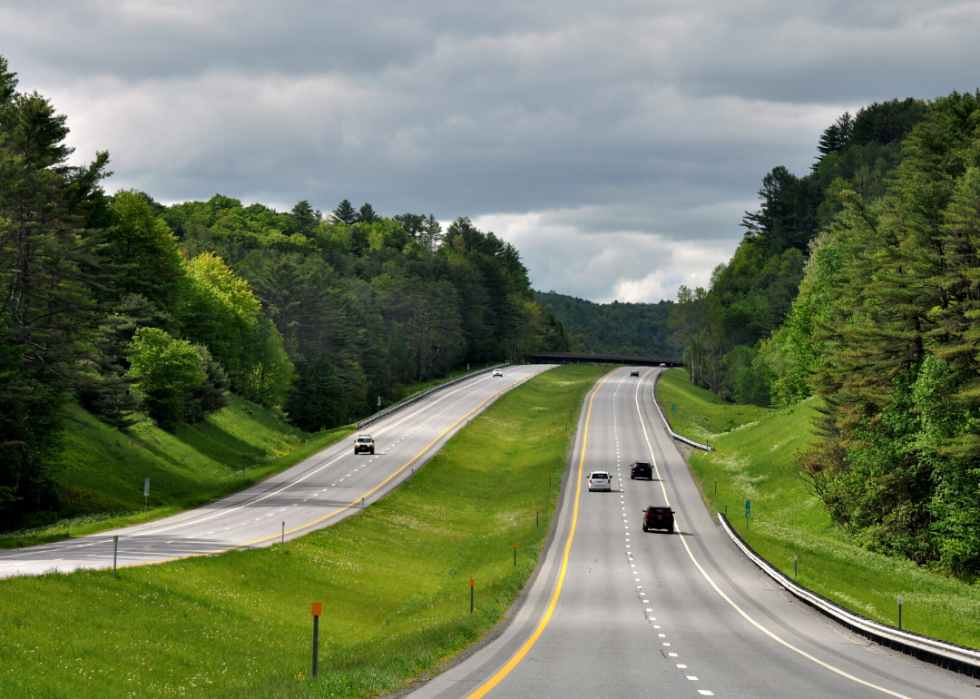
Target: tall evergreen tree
column 345, row 213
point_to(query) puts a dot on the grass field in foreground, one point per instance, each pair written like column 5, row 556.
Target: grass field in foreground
column 755, row 461
column 394, row 582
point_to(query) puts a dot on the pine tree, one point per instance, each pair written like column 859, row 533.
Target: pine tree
column 367, row 215
column 345, row 213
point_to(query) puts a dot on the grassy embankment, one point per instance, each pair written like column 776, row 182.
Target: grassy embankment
column 394, row 582
column 756, row 452
column 101, row 469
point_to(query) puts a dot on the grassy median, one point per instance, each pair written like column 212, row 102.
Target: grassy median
column 394, row 582
column 756, row 453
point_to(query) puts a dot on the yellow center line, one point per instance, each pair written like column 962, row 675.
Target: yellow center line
column 519, row 655
column 349, row 505
column 728, row 599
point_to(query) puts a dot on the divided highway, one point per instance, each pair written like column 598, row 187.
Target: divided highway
column 615, row 612
column 315, row 493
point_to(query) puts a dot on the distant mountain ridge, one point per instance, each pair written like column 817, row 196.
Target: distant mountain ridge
column 637, row 329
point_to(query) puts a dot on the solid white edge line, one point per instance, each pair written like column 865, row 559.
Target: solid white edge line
column 726, row 597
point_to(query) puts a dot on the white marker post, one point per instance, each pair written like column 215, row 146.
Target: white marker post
column 146, row 493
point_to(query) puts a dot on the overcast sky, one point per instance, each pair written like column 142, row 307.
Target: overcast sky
column 615, row 144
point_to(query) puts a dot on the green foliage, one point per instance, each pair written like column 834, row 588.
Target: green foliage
column 168, row 371
column 894, row 298
column 144, row 248
column 636, row 329
column 48, row 276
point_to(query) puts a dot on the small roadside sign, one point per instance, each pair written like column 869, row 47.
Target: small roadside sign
column 146, row 488
column 748, row 508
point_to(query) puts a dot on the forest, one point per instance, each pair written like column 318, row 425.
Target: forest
column 138, row 311
column 859, row 283
column 635, row 329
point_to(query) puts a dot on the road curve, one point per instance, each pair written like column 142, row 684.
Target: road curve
column 614, row 612
column 316, row 493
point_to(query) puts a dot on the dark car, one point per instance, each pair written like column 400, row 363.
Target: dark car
column 634, row 373
column 658, row 518
column 641, row 469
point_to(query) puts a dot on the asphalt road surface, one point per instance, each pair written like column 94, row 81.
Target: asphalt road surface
column 615, row 612
column 315, row 493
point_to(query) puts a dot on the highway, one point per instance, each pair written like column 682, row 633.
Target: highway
column 615, row 612
column 316, row 493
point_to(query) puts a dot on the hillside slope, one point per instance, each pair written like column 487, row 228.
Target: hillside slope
column 101, row 469
column 638, row 329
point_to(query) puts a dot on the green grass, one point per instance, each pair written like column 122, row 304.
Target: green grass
column 697, row 413
column 101, row 469
column 755, row 460
column 394, row 582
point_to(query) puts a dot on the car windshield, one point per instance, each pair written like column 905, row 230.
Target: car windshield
column 642, row 464
column 660, row 510
column 363, row 439
column 599, row 474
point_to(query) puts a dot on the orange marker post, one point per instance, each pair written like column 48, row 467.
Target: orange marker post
column 317, row 607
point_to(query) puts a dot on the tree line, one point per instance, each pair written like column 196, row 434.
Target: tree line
column 138, row 311
column 883, row 324
column 634, row 329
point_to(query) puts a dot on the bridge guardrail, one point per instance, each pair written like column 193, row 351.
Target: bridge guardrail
column 414, row 399
column 946, row 655
column 670, row 430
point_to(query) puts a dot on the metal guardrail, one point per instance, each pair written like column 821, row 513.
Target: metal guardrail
column 395, row 408
column 670, row 430
column 949, row 656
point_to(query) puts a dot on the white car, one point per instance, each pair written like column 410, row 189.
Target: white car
column 600, row 480
column 498, row 372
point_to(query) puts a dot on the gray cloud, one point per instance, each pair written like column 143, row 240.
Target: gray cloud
column 616, row 146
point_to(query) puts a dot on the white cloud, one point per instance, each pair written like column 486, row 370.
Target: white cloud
column 615, row 144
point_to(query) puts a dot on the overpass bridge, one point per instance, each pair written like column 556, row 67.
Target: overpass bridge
column 580, row 358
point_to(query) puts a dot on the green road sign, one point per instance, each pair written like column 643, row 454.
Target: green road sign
column 748, row 508
column 673, row 406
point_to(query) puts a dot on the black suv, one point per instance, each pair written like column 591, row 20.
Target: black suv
column 658, row 518
column 641, row 469
column 634, row 373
